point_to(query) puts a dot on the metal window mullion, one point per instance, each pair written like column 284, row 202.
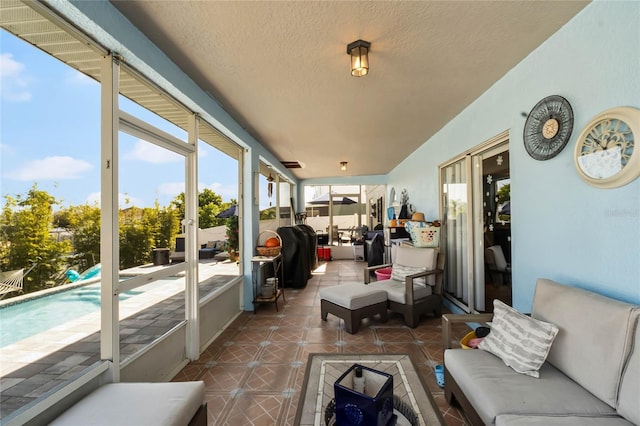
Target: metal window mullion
column 109, row 222
column 191, row 255
column 241, row 192
column 470, row 245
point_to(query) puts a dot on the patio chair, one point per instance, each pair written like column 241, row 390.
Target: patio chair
column 499, row 269
column 416, row 283
column 336, row 236
column 178, row 255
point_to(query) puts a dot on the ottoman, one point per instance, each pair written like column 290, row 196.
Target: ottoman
column 353, row 302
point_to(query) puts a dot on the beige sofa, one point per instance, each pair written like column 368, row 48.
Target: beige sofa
column 590, row 377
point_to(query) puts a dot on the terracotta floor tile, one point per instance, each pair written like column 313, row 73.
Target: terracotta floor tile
column 269, row 378
column 288, row 335
column 255, row 410
column 191, row 372
column 265, row 321
column 216, row 404
column 239, row 353
column 364, row 335
column 394, row 335
column 254, row 371
column 321, row 335
column 254, row 335
column 303, row 353
column 297, row 310
column 224, row 377
column 278, row 353
column 362, row 348
column 294, row 321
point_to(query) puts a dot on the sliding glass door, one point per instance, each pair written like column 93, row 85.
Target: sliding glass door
column 456, row 236
column 476, row 234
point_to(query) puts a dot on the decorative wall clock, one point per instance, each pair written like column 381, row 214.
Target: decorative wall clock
column 548, row 127
column 606, row 155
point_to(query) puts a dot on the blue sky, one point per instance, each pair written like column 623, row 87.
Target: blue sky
column 50, row 135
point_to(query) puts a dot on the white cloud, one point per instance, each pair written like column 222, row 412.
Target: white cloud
column 124, row 200
column 14, row 84
column 171, row 188
column 51, row 168
column 6, row 149
column 150, row 153
column 79, row 79
column 226, row 191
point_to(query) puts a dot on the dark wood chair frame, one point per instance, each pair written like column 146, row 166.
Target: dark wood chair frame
column 414, row 308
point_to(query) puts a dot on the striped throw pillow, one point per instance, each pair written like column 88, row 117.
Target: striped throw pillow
column 522, row 342
column 399, row 273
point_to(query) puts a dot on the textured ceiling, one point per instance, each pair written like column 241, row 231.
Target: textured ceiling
column 281, row 68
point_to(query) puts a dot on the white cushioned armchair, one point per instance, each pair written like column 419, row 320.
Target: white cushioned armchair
column 415, row 286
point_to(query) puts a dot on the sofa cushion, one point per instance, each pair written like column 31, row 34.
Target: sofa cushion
column 400, row 272
column 396, row 290
column 593, row 341
column 493, row 388
column 523, row 343
column 628, row 404
column 515, row 420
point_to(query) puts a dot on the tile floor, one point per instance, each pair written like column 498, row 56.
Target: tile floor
column 253, row 372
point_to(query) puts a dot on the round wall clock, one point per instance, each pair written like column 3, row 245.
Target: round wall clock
column 548, row 127
column 606, row 155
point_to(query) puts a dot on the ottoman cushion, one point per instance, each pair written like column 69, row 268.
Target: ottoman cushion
column 353, row 296
column 138, row 404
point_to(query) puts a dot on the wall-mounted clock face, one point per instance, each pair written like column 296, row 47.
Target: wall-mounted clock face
column 606, row 155
column 548, row 127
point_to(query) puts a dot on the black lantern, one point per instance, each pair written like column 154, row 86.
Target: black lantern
column 359, row 51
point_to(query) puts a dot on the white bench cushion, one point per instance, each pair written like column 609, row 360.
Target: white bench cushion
column 353, row 296
column 136, row 404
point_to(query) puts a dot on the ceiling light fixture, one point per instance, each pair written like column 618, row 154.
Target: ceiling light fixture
column 343, row 166
column 359, row 51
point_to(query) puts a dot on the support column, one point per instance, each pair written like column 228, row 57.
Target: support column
column 191, row 242
column 109, row 222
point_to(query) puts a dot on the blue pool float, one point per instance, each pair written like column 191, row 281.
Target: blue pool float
column 74, row 276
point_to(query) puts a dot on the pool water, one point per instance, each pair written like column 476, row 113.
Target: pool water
column 34, row 316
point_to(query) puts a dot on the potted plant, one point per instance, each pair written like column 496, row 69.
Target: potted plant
column 233, row 241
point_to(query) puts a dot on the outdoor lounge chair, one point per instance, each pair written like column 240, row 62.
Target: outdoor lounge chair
column 178, row 255
column 416, row 284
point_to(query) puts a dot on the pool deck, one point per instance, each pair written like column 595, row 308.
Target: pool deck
column 35, row 365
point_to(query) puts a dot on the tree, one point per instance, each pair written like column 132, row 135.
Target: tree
column 233, row 237
column 26, row 239
column 504, row 194
column 84, row 224
column 209, row 206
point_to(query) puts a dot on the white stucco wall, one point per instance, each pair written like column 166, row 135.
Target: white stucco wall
column 562, row 228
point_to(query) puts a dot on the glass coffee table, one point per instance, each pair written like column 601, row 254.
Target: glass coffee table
column 412, row 401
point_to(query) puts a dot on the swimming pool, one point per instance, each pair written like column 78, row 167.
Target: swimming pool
column 33, row 316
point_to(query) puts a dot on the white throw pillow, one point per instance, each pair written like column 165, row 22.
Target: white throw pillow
column 522, row 342
column 399, row 273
